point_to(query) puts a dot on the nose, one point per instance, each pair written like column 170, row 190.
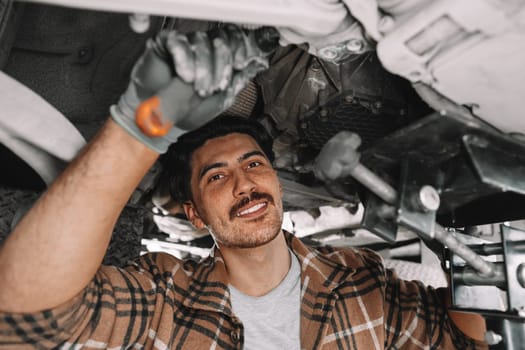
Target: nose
column 244, row 184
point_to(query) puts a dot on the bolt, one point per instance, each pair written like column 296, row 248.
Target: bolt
column 354, row 45
column 304, row 126
column 349, row 98
column 378, row 104
column 139, row 22
column 521, row 274
column 323, row 113
column 493, row 338
column 386, row 212
column 328, row 53
column 428, row 198
column 84, row 55
column 521, row 311
column 315, row 66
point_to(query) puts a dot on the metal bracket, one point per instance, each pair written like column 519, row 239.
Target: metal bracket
column 508, row 276
column 514, row 250
column 505, row 323
column 316, row 18
column 413, row 211
column 298, row 195
column 498, row 162
column 379, row 218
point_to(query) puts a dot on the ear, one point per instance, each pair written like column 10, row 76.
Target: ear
column 193, row 215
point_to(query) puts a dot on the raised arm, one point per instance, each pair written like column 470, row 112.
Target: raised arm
column 58, row 246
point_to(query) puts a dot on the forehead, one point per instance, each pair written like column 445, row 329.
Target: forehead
column 223, row 149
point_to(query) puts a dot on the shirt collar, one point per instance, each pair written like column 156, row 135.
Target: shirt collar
column 322, row 269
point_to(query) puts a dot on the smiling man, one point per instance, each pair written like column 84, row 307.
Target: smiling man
column 261, row 288
column 240, row 186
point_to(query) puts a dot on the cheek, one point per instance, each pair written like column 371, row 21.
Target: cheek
column 213, row 200
column 277, row 184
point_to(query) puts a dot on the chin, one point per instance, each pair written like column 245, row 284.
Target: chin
column 250, row 239
column 252, row 234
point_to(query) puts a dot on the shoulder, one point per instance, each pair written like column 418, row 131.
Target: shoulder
column 158, row 267
column 355, row 258
column 347, row 261
column 159, row 262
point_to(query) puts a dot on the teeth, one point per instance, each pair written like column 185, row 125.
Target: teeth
column 252, row 209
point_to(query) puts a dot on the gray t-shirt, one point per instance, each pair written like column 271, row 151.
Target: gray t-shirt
column 272, row 320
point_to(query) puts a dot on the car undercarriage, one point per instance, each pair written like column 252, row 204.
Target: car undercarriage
column 433, row 89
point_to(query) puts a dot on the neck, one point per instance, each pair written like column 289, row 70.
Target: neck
column 256, row 271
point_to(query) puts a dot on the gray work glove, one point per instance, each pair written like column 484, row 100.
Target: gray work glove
column 189, row 79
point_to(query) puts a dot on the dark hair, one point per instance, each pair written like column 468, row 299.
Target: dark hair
column 176, row 162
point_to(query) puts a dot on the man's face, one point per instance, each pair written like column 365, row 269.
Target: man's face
column 236, row 192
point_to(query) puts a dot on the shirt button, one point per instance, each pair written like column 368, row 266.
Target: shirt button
column 234, row 336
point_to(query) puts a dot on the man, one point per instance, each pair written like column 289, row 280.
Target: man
column 260, row 289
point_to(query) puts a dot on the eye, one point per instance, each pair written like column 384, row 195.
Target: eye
column 215, row 177
column 254, row 164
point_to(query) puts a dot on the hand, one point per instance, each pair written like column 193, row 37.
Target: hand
column 192, row 77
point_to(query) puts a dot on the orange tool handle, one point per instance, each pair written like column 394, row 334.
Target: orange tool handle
column 150, row 119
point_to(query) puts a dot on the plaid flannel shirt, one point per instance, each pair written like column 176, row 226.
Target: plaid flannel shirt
column 349, row 301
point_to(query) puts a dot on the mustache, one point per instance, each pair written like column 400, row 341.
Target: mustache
column 244, row 201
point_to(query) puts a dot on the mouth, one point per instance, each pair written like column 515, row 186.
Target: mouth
column 253, row 210
column 251, row 207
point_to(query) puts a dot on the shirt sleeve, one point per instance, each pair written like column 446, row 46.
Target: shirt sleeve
column 115, row 310
column 415, row 315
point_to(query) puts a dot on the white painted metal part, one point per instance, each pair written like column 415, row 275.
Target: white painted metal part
column 139, row 22
column 302, row 224
column 36, row 131
column 313, row 17
column 470, row 51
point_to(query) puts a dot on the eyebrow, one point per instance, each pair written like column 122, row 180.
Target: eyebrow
column 209, row 167
column 250, row 154
column 245, row 156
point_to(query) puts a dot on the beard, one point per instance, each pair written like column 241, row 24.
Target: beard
column 251, row 234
